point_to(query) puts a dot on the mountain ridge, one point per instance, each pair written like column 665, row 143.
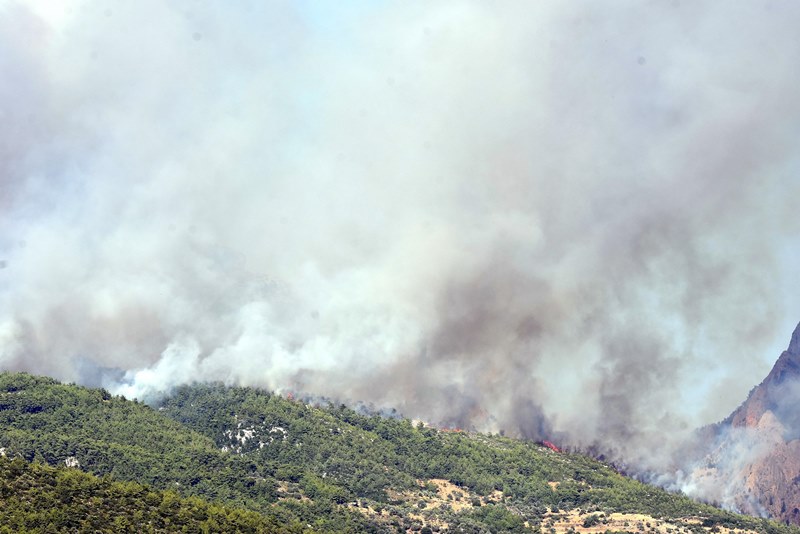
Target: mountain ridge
column 755, row 451
column 762, row 397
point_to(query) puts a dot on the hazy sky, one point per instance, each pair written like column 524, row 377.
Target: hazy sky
column 536, row 216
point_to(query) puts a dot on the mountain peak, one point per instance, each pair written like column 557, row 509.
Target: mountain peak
column 794, row 345
column 769, row 414
column 770, row 393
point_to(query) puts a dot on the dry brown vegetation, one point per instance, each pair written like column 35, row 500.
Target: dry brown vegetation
column 562, row 521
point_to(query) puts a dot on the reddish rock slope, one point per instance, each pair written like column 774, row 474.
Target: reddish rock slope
column 755, row 462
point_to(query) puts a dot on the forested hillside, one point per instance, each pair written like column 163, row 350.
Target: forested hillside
column 328, row 468
column 43, row 420
column 39, row 498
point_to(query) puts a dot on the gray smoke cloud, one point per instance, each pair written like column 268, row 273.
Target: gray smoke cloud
column 551, row 218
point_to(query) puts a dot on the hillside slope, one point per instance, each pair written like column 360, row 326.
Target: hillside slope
column 412, row 474
column 328, row 468
column 38, row 498
column 58, row 424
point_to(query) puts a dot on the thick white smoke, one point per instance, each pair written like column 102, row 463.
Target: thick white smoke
column 540, row 217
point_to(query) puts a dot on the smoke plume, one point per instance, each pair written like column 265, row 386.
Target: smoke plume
column 550, row 218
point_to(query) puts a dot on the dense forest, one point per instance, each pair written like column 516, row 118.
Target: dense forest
column 39, row 498
column 327, row 468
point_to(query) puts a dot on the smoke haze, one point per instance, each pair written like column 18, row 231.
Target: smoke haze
column 551, row 217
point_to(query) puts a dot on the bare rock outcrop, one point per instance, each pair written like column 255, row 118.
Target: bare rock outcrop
column 756, row 450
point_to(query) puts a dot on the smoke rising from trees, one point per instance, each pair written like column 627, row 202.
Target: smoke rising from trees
column 551, row 218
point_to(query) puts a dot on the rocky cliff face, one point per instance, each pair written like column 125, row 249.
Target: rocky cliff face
column 754, row 463
column 775, row 393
